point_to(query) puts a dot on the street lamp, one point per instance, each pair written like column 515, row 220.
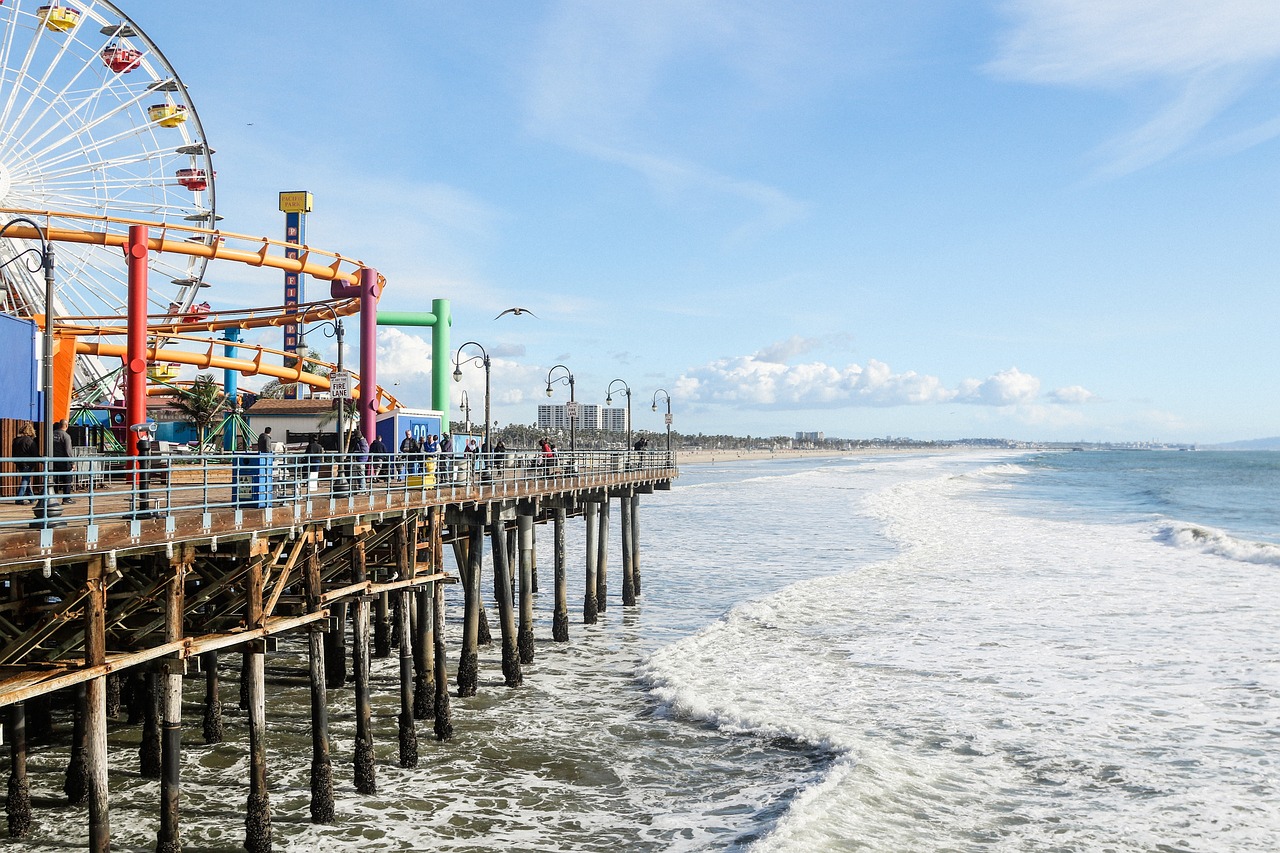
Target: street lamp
column 664, row 393
column 337, row 332
column 45, row 255
column 482, row 359
column 608, row 401
column 573, row 403
column 465, row 405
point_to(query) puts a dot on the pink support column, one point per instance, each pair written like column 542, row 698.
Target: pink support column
column 135, row 367
column 368, row 292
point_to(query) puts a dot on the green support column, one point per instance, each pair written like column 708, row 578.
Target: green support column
column 439, row 319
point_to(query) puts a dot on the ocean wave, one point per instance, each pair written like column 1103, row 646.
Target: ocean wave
column 1209, row 540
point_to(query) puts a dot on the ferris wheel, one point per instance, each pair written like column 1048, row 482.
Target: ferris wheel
column 94, row 120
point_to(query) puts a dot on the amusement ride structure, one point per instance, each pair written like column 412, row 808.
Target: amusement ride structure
column 107, row 189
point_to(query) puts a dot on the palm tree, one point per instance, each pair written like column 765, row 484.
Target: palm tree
column 276, row 389
column 201, row 403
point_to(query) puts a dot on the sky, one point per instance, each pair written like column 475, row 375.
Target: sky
column 1029, row 219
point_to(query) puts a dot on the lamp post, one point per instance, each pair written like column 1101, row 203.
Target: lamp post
column 482, row 359
column 465, row 405
column 45, row 255
column 664, row 393
column 608, row 401
column 573, row 403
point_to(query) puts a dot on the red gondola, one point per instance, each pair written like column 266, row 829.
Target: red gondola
column 121, row 60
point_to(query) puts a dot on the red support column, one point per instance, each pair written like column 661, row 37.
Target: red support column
column 135, row 367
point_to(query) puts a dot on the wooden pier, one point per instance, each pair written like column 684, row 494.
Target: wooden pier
column 119, row 605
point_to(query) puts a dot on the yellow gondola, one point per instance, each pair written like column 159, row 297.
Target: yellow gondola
column 59, row 19
column 167, row 115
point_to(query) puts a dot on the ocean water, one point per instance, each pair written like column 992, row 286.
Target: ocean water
column 956, row 652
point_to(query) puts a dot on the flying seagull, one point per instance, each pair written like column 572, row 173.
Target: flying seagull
column 517, row 312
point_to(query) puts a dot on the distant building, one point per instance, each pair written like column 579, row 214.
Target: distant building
column 810, row 436
column 554, row 416
column 614, row 420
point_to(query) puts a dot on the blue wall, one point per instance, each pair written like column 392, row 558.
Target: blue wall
column 19, row 370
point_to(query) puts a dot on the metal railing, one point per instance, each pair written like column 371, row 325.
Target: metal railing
column 99, row 487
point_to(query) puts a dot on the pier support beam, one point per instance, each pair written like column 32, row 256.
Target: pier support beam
column 18, row 805
column 382, row 627
column 635, row 541
column 364, row 773
column 628, row 564
column 560, row 617
column 524, row 639
column 171, row 670
column 591, row 514
column 468, row 666
column 257, row 819
column 149, row 750
column 75, row 783
column 335, row 647
column 444, row 720
column 602, row 559
column 502, row 592
column 408, row 736
column 95, row 706
column 211, row 724
column 424, row 656
column 322, row 810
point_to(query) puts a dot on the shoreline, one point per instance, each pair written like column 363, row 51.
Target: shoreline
column 708, row 457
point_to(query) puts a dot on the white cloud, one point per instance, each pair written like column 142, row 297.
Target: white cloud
column 1209, row 53
column 755, row 382
column 1072, row 395
column 783, row 351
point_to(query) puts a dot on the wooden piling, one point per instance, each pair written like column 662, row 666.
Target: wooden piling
column 560, row 617
column 591, row 515
column 628, row 566
column 149, row 765
column 258, row 812
column 602, row 559
column 635, row 541
column 502, row 592
column 335, row 647
column 322, row 810
column 382, row 626
column 468, row 659
column 75, row 782
column 113, row 695
column 95, row 704
column 444, row 719
column 524, row 637
column 171, row 671
column 18, row 805
column 211, row 724
column 364, row 772
column 408, row 736
column 424, row 652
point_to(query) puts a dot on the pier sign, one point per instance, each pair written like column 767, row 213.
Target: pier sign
column 340, row 385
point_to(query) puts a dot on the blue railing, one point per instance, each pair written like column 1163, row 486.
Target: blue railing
column 98, row 488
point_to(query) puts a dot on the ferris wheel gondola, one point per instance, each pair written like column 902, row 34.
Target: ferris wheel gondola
column 94, row 120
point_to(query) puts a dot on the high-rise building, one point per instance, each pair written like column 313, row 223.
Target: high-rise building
column 554, row 416
column 614, row 420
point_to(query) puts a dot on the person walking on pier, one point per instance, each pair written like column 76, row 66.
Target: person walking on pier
column 62, row 464
column 408, row 450
column 264, row 441
column 25, row 449
column 377, row 458
column 358, row 457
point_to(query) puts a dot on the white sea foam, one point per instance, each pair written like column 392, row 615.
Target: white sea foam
column 1209, row 540
column 1021, row 682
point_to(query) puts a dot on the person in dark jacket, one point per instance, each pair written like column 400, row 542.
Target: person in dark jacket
column 26, row 450
column 62, row 464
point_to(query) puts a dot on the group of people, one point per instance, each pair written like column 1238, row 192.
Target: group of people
column 26, row 449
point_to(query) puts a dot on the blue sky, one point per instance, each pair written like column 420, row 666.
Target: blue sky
column 1042, row 219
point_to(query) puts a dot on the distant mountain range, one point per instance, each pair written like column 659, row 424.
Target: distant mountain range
column 1253, row 444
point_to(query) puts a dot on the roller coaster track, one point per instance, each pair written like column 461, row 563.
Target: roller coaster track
column 163, row 329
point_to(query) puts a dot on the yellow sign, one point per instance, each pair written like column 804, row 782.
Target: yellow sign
column 295, row 202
